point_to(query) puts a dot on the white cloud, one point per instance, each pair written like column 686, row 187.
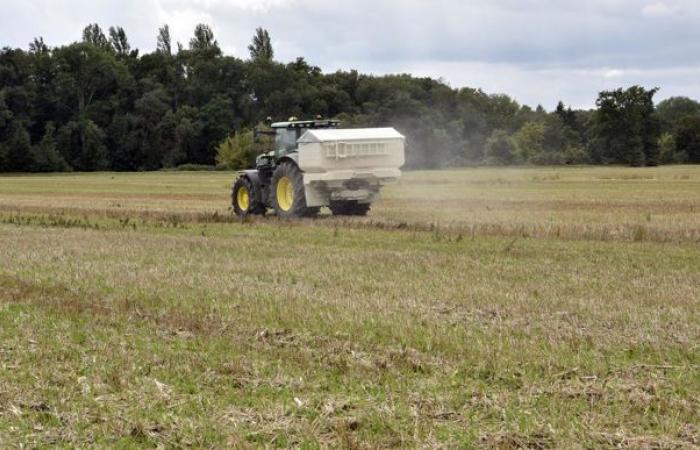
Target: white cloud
column 658, row 9
column 613, row 73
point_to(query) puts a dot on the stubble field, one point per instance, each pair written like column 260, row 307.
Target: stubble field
column 499, row 308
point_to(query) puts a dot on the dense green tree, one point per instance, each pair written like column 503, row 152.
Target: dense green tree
column 15, row 148
column 502, row 110
column 626, row 128
column 559, row 142
column 571, row 119
column 529, row 141
column 123, row 141
column 81, row 142
column 45, row 156
column 687, row 137
column 5, row 113
column 87, row 76
column 167, row 134
column 215, row 120
column 671, row 111
column 187, row 147
column 137, row 140
column 261, row 47
column 475, row 126
column 548, row 140
column 17, row 92
column 149, row 111
column 17, row 84
column 45, row 106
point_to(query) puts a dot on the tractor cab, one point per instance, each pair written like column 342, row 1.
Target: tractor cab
column 287, row 133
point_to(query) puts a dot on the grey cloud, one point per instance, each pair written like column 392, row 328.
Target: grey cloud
column 533, row 49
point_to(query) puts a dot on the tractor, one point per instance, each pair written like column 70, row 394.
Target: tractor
column 315, row 163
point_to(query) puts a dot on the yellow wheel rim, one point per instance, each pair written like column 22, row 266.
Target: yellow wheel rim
column 243, row 198
column 285, row 194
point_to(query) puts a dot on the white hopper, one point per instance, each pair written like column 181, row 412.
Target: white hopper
column 324, row 150
column 332, row 157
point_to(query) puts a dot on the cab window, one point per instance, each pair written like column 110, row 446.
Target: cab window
column 285, row 140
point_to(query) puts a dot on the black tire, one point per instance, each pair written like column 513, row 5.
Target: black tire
column 293, row 202
column 349, row 208
column 312, row 212
column 255, row 204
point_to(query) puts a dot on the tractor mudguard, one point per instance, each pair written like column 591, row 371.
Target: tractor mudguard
column 252, row 175
column 259, row 190
column 293, row 157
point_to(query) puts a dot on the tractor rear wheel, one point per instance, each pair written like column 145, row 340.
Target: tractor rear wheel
column 287, row 191
column 245, row 199
column 349, row 208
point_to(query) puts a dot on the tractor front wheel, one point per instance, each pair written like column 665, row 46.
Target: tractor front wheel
column 245, row 199
column 287, row 191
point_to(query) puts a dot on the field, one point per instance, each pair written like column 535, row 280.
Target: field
column 499, row 308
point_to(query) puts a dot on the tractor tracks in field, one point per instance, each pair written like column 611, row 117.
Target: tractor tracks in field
column 109, row 219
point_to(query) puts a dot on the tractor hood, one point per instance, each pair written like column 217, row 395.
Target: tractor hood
column 349, row 134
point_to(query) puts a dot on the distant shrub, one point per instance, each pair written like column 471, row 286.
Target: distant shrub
column 236, row 152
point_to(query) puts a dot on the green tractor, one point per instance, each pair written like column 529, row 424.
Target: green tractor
column 315, row 164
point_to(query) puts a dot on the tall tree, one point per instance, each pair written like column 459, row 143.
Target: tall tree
column 203, row 40
column 92, row 34
column 38, row 47
column 672, row 110
column 261, row 46
column 87, row 74
column 119, row 41
column 626, row 129
column 568, row 116
column 163, row 42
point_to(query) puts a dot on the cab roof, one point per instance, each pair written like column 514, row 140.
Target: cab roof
column 350, row 134
column 307, row 124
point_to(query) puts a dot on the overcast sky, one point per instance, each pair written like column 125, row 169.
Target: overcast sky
column 538, row 51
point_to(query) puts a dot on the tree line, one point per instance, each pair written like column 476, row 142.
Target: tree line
column 99, row 104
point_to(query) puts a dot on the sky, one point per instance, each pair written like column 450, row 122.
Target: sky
column 538, row 51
